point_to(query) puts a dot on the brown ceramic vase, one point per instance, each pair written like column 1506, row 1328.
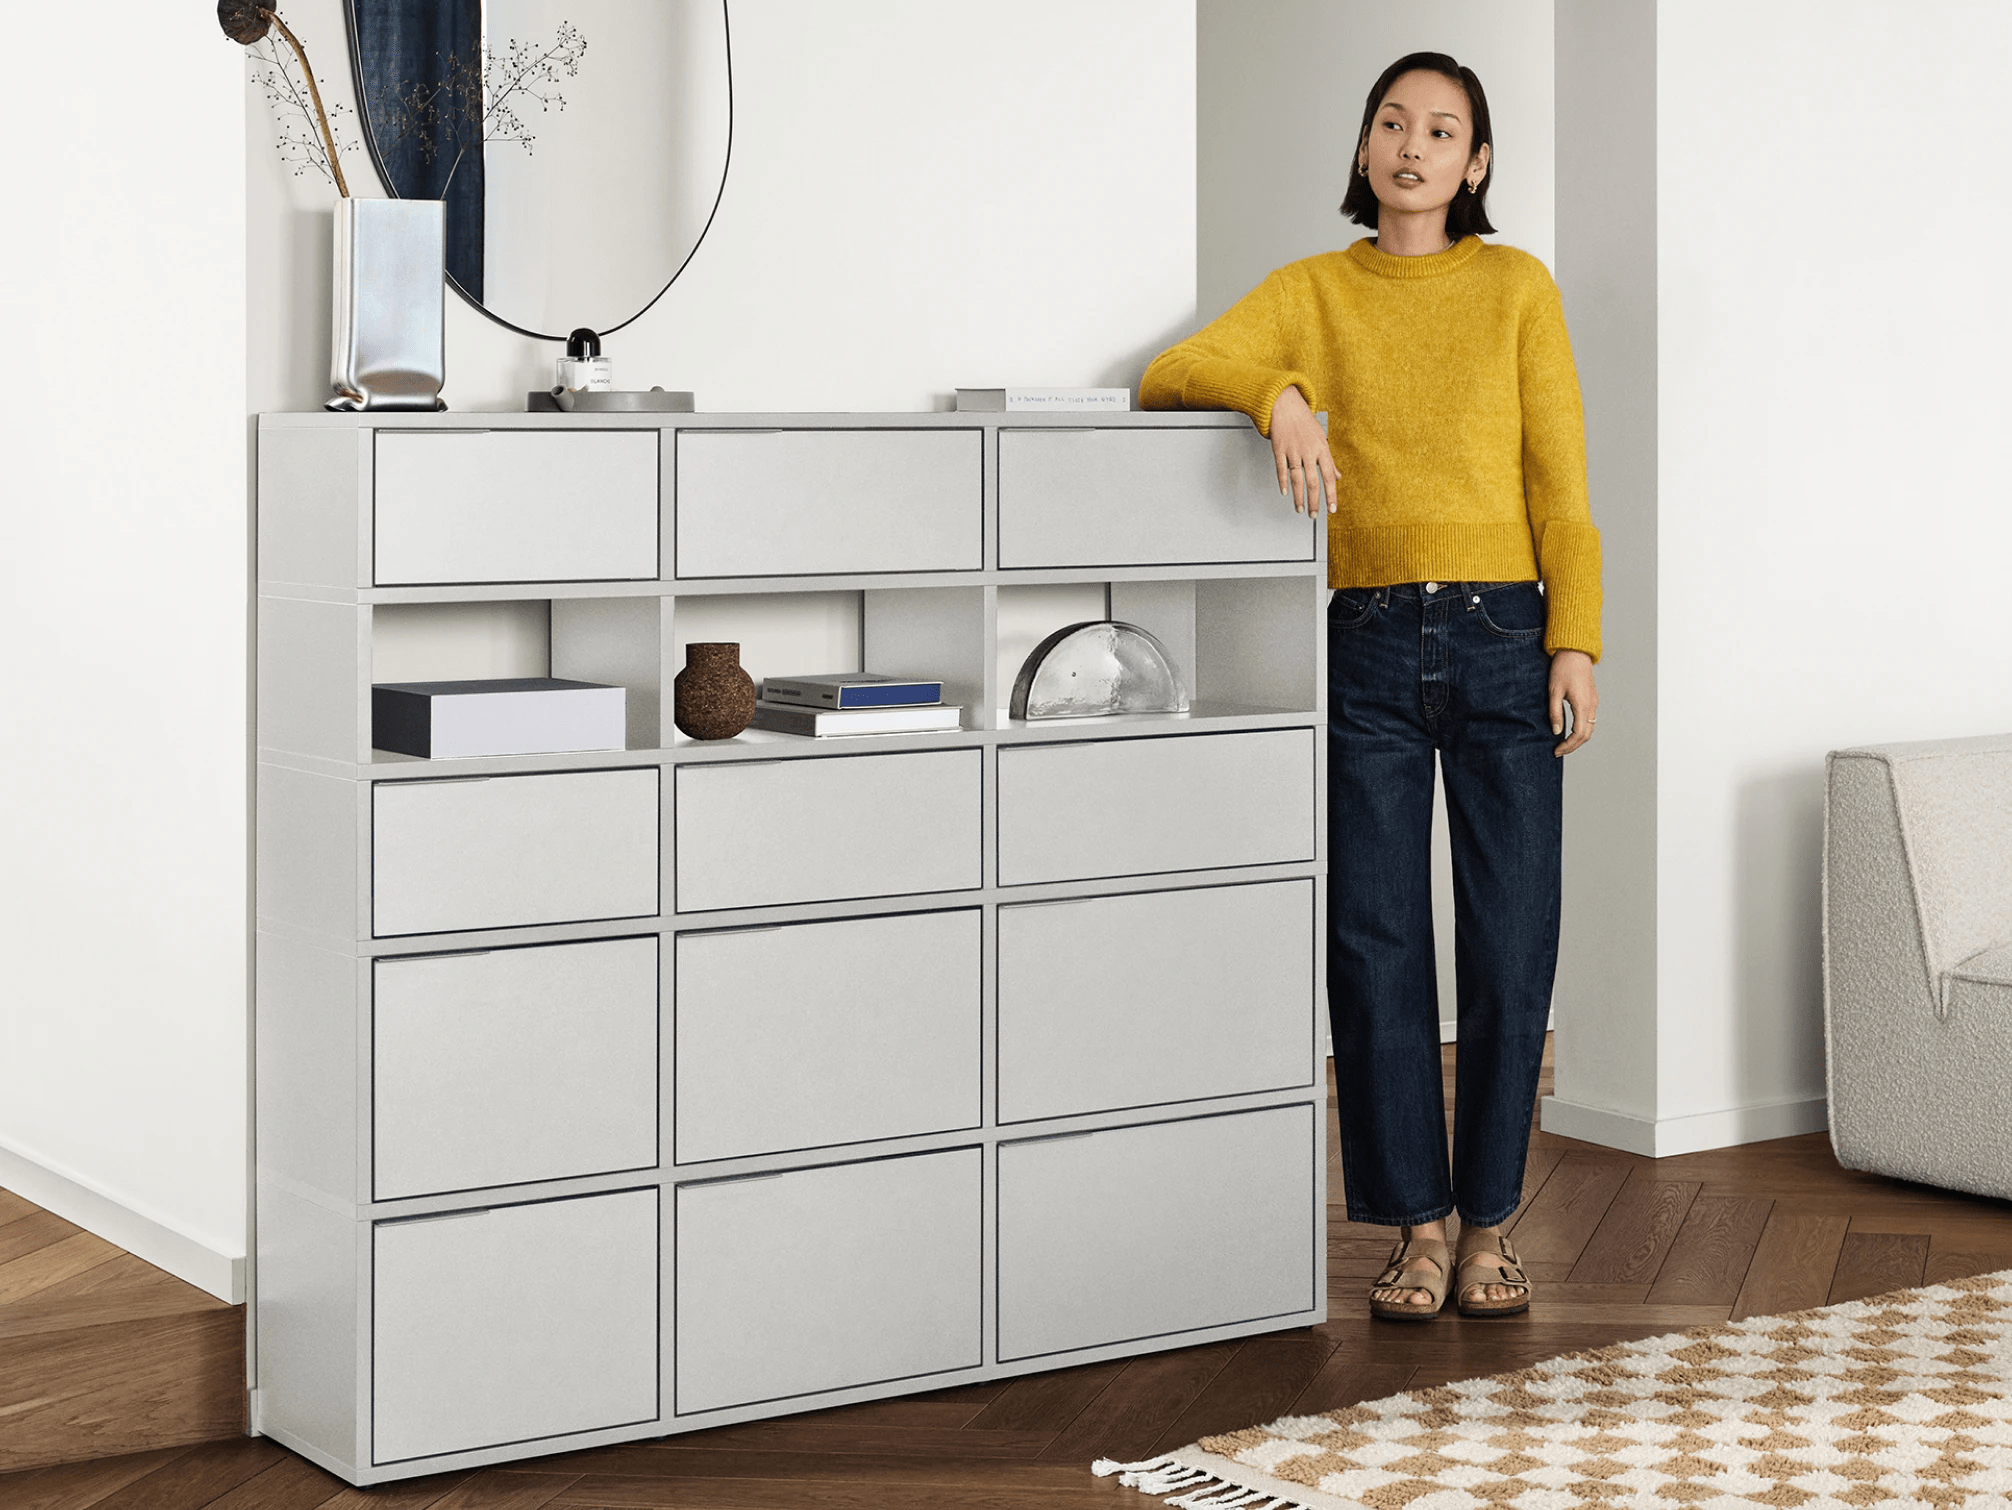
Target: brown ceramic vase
column 712, row 697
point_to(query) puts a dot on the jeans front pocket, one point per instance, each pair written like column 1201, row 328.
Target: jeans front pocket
column 1351, row 607
column 1514, row 611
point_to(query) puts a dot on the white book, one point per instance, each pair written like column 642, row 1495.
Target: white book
column 1043, row 400
column 786, row 718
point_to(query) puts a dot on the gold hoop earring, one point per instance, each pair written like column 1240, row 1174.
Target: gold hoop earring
column 1361, row 168
column 1473, row 186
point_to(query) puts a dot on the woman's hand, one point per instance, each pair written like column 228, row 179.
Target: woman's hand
column 1572, row 682
column 1299, row 446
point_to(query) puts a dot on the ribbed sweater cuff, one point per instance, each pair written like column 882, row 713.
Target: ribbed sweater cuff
column 1569, row 556
column 1247, row 387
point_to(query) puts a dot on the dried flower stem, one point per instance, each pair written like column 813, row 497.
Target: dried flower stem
column 327, row 136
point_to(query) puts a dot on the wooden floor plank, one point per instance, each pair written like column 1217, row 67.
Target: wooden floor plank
column 293, row 1483
column 110, row 1390
column 1956, row 1259
column 1712, row 1251
column 492, row 1489
column 1048, row 1402
column 197, row 1478
column 1871, row 1263
column 1633, row 1239
column 1348, row 1378
column 32, row 1232
column 812, row 1494
column 1130, row 1414
column 60, row 1260
column 1794, row 1262
column 13, row 1207
column 1556, row 1224
column 1258, row 1384
column 407, row 1494
column 78, row 1486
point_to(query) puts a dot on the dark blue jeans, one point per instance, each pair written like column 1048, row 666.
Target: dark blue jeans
column 1457, row 670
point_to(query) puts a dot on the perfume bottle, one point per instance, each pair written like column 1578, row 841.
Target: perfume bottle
column 583, row 369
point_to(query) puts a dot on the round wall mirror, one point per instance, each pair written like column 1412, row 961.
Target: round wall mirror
column 580, row 145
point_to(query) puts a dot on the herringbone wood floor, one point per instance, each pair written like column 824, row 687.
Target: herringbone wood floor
column 1621, row 1247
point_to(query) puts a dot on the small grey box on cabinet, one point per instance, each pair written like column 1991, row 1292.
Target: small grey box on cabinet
column 525, row 715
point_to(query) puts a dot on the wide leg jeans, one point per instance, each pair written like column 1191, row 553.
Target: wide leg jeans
column 1453, row 672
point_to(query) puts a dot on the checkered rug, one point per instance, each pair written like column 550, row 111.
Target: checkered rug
column 1903, row 1399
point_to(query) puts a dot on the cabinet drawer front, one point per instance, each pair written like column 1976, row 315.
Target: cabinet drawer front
column 824, row 1279
column 822, row 1033
column 1164, row 996
column 1139, row 497
column 514, row 1324
column 516, row 506
column 1129, row 807
column 806, row 502
column 1072, row 1277
column 825, row 828
column 510, row 851
column 513, row 1065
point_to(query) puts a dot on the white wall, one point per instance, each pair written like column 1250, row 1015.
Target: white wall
column 1831, row 497
column 1275, row 143
column 122, row 592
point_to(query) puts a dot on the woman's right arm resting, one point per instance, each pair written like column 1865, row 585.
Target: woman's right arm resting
column 1244, row 361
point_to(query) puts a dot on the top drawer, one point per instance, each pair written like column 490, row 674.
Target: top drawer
column 515, row 506
column 1159, row 497
column 780, row 503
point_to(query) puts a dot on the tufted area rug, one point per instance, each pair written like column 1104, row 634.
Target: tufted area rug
column 1902, row 1399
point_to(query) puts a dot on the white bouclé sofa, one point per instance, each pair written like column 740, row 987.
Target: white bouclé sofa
column 1917, row 961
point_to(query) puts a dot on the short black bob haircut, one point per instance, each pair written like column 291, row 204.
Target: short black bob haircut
column 1468, row 214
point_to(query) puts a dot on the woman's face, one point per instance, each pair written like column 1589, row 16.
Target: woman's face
column 1417, row 147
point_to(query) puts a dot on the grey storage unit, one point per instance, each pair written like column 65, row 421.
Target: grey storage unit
column 606, row 1096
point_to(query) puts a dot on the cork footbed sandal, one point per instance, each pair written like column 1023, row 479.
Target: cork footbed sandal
column 1469, row 1275
column 1396, row 1276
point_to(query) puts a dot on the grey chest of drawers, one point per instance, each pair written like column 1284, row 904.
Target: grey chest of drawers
column 612, row 1095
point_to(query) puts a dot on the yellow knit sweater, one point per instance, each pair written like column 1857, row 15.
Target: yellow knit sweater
column 1453, row 415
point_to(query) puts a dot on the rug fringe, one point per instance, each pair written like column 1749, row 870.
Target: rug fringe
column 1204, row 1491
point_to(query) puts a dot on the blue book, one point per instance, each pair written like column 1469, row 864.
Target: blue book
column 850, row 689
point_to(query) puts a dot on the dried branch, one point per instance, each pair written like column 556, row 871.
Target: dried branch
column 477, row 100
column 301, row 145
column 247, row 22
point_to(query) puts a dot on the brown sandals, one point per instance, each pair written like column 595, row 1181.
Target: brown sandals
column 1470, row 1274
column 1396, row 1276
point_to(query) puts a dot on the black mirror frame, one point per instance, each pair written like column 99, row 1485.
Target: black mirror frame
column 391, row 189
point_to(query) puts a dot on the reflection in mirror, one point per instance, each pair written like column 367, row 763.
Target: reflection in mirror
column 581, row 145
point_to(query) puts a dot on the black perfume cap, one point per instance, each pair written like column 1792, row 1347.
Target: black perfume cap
column 583, row 343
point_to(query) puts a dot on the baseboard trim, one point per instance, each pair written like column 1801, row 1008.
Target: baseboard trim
column 78, row 1199
column 1668, row 1136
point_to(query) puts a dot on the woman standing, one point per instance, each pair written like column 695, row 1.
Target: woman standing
column 1465, row 622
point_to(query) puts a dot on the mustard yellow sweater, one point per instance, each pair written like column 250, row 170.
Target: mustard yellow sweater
column 1453, row 415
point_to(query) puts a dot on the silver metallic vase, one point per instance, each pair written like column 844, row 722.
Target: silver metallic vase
column 389, row 349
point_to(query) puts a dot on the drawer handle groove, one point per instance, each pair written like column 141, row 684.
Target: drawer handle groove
column 434, row 1216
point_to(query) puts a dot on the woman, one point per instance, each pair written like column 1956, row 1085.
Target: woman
column 1465, row 622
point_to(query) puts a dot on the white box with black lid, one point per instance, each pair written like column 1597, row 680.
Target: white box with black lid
column 528, row 715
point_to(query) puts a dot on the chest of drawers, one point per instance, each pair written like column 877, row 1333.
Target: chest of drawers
column 614, row 1095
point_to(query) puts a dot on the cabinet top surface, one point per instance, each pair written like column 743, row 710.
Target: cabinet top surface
column 936, row 420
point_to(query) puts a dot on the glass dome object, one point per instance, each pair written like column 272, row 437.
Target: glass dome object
column 1096, row 668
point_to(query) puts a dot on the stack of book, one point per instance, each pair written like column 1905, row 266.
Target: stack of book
column 854, row 702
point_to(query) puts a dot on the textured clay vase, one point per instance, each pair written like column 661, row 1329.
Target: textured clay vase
column 712, row 697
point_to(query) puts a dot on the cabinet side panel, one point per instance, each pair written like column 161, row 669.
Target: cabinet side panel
column 310, row 502
column 310, row 697
column 307, row 1324
column 308, row 851
column 307, row 1050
